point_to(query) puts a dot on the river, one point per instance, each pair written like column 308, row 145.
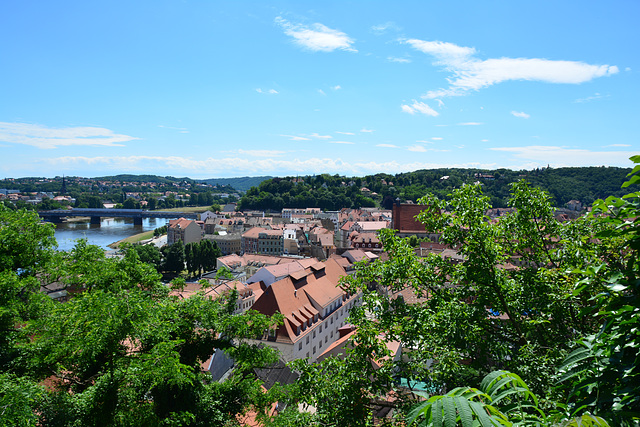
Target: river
column 110, row 230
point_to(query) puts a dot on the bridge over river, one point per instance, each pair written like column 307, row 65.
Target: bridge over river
column 95, row 214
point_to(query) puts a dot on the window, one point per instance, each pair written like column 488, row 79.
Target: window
column 325, row 339
column 314, row 334
column 314, row 349
column 299, row 346
column 320, row 328
column 332, row 320
column 307, row 339
column 320, row 345
column 331, row 334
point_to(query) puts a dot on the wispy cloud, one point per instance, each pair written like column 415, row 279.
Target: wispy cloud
column 345, row 133
column 436, row 138
column 424, row 141
column 387, row 146
column 468, row 73
column 267, row 91
column 470, row 124
column 520, row 114
column 318, row 136
column 382, row 28
column 423, row 149
column 563, row 156
column 181, row 130
column 618, row 145
column 417, row 148
column 366, row 130
column 321, row 92
column 336, row 87
column 399, row 60
column 342, row 142
column 231, row 166
column 419, row 107
column 262, row 153
column 590, row 98
column 46, row 138
column 316, row 37
column 296, row 138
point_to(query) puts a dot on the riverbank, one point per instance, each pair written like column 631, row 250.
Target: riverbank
column 136, row 238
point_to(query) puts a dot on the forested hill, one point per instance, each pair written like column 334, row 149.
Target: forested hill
column 332, row 192
column 241, row 184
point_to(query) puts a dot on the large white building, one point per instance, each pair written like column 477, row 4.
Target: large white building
column 314, row 307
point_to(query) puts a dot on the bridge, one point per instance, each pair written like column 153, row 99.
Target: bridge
column 96, row 214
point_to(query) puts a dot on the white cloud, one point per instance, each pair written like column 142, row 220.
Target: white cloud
column 321, row 92
column 262, row 153
column 341, row 142
column 387, row 146
column 182, row 130
column 232, row 166
column 382, row 28
column 345, row 133
column 590, row 98
column 484, row 140
column 424, row 142
column 436, row 138
column 336, row 87
column 468, row 73
column 417, row 148
column 317, row 136
column 419, row 107
column 563, row 157
column 470, row 124
column 366, row 130
column 267, row 91
column 316, row 37
column 46, row 138
column 521, row 115
column 296, row 138
column 618, row 145
column 399, row 60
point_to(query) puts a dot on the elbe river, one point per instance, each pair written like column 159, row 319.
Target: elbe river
column 109, row 231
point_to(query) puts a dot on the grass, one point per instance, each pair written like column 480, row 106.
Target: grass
column 133, row 239
column 188, row 209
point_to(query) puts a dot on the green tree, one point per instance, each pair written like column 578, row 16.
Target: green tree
column 478, row 313
column 123, row 350
column 174, row 257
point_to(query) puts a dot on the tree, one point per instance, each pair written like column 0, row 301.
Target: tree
column 602, row 374
column 149, row 254
column 478, row 314
column 174, row 257
column 122, row 350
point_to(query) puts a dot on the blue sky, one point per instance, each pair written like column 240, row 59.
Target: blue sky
column 234, row 88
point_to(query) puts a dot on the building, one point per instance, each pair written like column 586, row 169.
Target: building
column 185, row 230
column 314, row 307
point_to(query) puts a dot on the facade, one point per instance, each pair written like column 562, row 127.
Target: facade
column 185, row 230
column 228, row 243
column 314, row 307
column 405, row 222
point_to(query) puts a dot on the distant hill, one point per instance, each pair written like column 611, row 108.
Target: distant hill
column 143, row 178
column 241, row 184
column 332, row 192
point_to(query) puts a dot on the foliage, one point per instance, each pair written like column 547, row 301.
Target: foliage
column 123, row 350
column 479, row 313
column 503, row 399
column 335, row 192
column 174, row 257
column 605, row 370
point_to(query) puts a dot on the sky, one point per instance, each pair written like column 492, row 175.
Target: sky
column 214, row 89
